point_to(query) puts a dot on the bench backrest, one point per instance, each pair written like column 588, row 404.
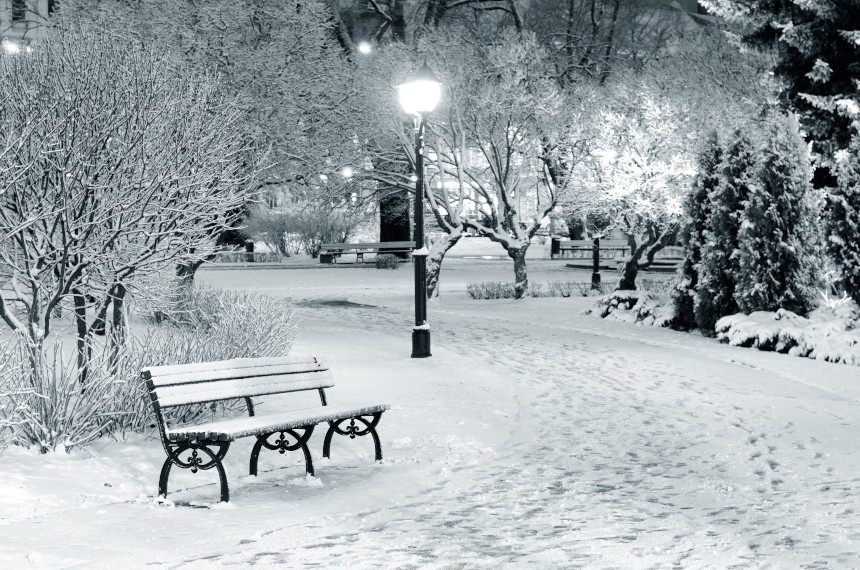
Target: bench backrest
column 374, row 245
column 587, row 243
column 181, row 384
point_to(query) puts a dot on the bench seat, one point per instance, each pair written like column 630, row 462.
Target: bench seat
column 232, row 429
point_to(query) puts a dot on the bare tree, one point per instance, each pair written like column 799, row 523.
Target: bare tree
column 306, row 224
column 117, row 164
column 594, row 37
column 281, row 61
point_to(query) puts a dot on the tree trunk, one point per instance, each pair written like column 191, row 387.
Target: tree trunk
column 82, row 340
column 521, row 279
column 434, row 260
column 118, row 323
column 628, row 275
column 595, row 263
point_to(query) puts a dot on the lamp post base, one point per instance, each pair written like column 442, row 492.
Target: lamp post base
column 420, row 343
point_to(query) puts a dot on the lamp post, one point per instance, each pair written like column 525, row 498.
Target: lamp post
column 419, row 93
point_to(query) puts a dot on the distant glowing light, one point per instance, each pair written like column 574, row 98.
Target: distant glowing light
column 346, row 172
column 323, row 177
column 11, row 47
column 413, row 178
column 364, row 48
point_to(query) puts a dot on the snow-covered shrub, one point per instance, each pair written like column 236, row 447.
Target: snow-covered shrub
column 561, row 289
column 387, row 261
column 719, row 268
column 779, row 239
column 490, row 290
column 829, row 333
column 695, row 221
column 14, row 393
column 843, row 219
column 503, row 290
column 51, row 409
column 217, row 324
column 47, row 406
column 640, row 307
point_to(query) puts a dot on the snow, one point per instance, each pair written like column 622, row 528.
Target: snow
column 639, row 307
column 828, row 334
column 534, row 436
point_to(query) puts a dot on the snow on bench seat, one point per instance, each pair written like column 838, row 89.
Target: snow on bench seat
column 229, row 430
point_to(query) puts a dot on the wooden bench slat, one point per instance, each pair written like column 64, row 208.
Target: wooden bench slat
column 374, row 245
column 228, row 430
column 198, row 392
column 232, row 363
column 234, row 373
column 589, row 244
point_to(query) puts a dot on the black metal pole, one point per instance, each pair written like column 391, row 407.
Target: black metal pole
column 421, row 332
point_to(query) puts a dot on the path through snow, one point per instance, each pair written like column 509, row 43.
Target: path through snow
column 534, row 437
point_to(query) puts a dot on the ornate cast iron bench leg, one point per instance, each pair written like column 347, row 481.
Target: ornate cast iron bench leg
column 352, row 431
column 196, row 463
column 283, row 445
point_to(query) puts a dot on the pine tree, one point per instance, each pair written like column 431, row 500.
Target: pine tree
column 779, row 236
column 696, row 216
column 816, row 44
column 843, row 220
column 719, row 267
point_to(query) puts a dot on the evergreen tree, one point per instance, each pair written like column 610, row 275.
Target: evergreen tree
column 843, row 220
column 696, row 216
column 719, row 267
column 780, row 243
column 817, row 49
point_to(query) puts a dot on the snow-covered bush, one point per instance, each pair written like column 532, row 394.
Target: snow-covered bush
column 387, row 261
column 306, row 225
column 719, row 268
column 505, row 290
column 234, row 323
column 780, row 249
column 692, row 233
column 14, row 393
column 216, row 325
column 491, row 290
column 52, row 409
column 843, row 219
column 640, row 307
column 829, row 333
column 47, row 405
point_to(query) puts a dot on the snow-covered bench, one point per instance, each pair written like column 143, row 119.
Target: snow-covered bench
column 329, row 252
column 614, row 247
column 202, row 446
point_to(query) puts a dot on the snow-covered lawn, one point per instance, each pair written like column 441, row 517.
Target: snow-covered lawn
column 534, row 436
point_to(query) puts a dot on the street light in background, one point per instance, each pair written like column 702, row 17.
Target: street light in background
column 419, row 94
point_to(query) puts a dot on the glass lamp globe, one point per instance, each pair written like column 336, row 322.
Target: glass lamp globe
column 420, row 91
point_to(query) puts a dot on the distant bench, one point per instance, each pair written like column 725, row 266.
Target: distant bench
column 666, row 260
column 206, row 443
column 613, row 247
column 329, row 252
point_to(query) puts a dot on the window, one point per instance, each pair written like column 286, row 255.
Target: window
column 19, row 10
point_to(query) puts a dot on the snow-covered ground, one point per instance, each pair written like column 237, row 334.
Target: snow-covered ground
column 534, row 436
